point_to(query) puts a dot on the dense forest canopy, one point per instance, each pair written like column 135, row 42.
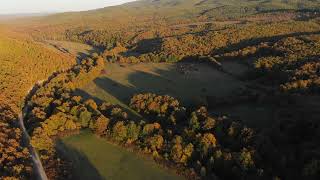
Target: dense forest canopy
column 23, row 63
column 270, row 48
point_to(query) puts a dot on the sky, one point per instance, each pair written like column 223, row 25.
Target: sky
column 49, row 6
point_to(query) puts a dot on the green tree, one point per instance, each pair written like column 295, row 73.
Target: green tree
column 85, row 118
column 133, row 132
column 194, row 122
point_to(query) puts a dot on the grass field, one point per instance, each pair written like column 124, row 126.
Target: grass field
column 94, row 158
column 75, row 49
column 120, row 82
column 190, row 83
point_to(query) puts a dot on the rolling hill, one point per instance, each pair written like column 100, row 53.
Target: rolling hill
column 213, row 89
column 23, row 63
column 103, row 27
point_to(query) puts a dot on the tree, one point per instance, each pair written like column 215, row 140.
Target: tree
column 155, row 142
column 187, row 153
column 119, row 131
column 193, row 122
column 133, row 131
column 246, row 159
column 149, row 129
column 15, row 159
column 85, row 118
column 41, row 141
column 101, row 125
column 74, row 111
column 176, row 152
column 234, row 130
column 105, row 106
column 207, row 142
column 209, row 124
column 70, row 125
column 90, row 103
column 77, row 99
column 179, row 152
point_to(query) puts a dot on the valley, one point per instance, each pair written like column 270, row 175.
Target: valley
column 163, row 89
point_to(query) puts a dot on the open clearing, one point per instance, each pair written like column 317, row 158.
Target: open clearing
column 78, row 50
column 191, row 83
column 188, row 82
column 94, row 158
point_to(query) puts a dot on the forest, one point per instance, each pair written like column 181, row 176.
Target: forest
column 23, row 63
column 269, row 49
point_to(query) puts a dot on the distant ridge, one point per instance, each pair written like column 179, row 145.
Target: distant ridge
column 23, row 15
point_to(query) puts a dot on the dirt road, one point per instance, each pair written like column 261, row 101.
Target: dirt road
column 38, row 168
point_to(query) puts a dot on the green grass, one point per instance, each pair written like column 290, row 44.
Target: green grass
column 120, row 83
column 94, row 158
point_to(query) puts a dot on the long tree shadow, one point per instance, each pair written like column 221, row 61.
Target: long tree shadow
column 116, row 89
column 175, row 81
column 140, row 82
column 148, row 82
column 85, row 95
column 148, row 45
column 88, row 53
column 82, row 168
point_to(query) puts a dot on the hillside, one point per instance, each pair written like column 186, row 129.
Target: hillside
column 149, row 18
column 24, row 63
column 184, row 10
column 210, row 89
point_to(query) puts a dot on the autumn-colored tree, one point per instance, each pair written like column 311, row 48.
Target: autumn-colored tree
column 155, row 142
column 207, row 142
column 119, row 131
column 101, row 125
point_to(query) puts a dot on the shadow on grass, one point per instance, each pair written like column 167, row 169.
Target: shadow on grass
column 116, row 89
column 82, row 168
column 85, row 95
column 84, row 55
column 140, row 82
column 181, row 81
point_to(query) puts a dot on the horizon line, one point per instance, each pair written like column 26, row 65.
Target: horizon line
column 30, row 13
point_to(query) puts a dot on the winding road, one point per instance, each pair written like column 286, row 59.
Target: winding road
column 37, row 165
column 39, row 171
